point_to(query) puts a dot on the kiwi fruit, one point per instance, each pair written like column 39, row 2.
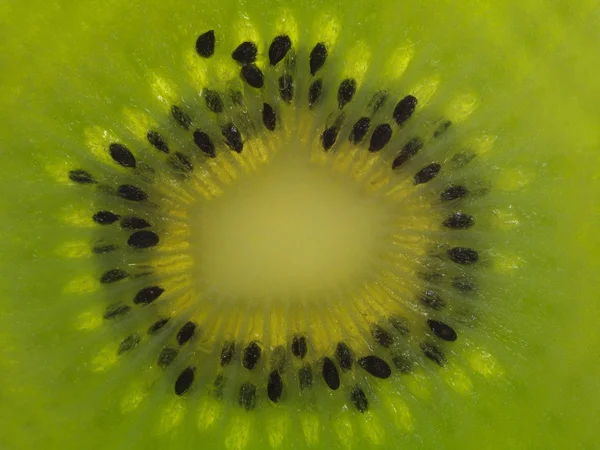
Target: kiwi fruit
column 290, row 225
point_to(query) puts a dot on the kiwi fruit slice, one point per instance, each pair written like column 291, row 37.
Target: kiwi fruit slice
column 298, row 225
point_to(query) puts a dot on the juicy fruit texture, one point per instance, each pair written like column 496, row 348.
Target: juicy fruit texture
column 98, row 210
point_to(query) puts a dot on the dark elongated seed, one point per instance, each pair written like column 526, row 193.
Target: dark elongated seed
column 427, row 173
column 157, row 326
column 218, row 385
column 122, row 155
column 404, row 109
column 453, row 192
column 280, row 46
column 434, row 353
column 134, row 223
column 317, row 58
column 181, row 117
column 186, row 332
column 314, row 92
column 380, row 137
column 213, row 100
column 299, row 346
column 346, row 92
column 441, row 129
column 132, row 193
column 381, row 336
column 275, row 386
column 166, row 356
column 245, row 53
column 233, row 138
column 330, row 374
column 143, row 239
column 205, row 44
column 286, row 88
column 279, row 358
column 459, row 221
column 253, row 76
column 184, row 380
column 112, row 276
column 463, row 284
column 204, row 143
column 375, row 366
column 105, row 217
column 463, row 256
column 251, row 355
column 359, row 130
column 378, row 101
column 81, row 177
column 157, row 141
column 129, row 343
column 461, row 159
column 147, row 295
column 432, row 300
column 227, row 353
column 114, row 311
column 343, row 354
column 359, row 398
column 268, row 116
column 182, row 162
column 328, row 137
column 400, row 324
column 305, row 376
column 101, row 249
column 247, row 396
column 410, row 149
column 403, row 363
column 441, row 330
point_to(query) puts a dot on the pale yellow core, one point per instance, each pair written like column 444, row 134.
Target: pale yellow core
column 291, row 229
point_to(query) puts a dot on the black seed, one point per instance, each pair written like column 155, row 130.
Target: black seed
column 427, row 173
column 400, row 324
column 375, row 366
column 380, row 137
column 410, row 149
column 253, row 76
column 131, row 192
column 205, row 44
column 186, row 332
column 247, row 396
column 432, row 300
column 463, row 255
column 184, row 380
column 317, row 58
column 463, row 284
column 143, row 239
column 403, row 363
column 359, row 130
column 166, row 356
column 330, row 374
column 454, row 192
column 299, row 346
column 157, row 141
column 232, row 136
column 275, row 386
column 378, row 101
column 157, row 326
column 286, row 88
column 459, row 221
column 213, row 100
column 182, row 162
column 122, row 155
column 181, row 117
column 441, row 129
column 104, row 249
column 204, row 143
column 129, row 343
column 328, row 137
column 112, row 276
column 434, row 353
column 314, row 92
column 147, row 295
column 227, row 353
column 115, row 311
column 441, row 330
column 279, row 358
column 404, row 109
column 343, row 354
column 359, row 398
column 105, row 217
column 305, row 376
column 381, row 336
column 134, row 223
column 81, row 177
column 268, row 116
column 346, row 91
column 245, row 53
column 251, row 355
column 279, row 48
